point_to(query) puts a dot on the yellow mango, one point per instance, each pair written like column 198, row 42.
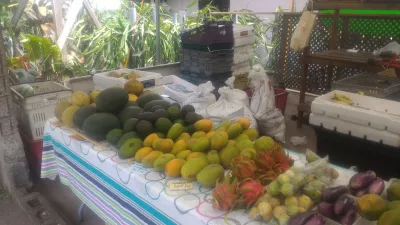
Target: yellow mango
column 173, row 167
column 141, row 153
column 219, row 140
column 179, row 146
column 193, row 155
column 210, row 134
column 203, row 125
column 198, row 134
column 183, row 136
column 163, row 145
column 148, row 142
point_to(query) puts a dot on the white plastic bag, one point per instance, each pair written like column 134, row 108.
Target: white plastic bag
column 231, row 105
column 202, row 98
column 392, row 47
column 270, row 120
column 301, row 36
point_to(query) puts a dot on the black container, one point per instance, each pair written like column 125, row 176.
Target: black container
column 211, row 33
column 346, row 151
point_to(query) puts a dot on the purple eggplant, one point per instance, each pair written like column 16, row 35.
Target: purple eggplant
column 377, row 186
column 361, row 192
column 362, row 180
column 326, row 209
column 332, row 194
column 350, row 217
column 301, row 218
column 342, row 204
column 316, row 220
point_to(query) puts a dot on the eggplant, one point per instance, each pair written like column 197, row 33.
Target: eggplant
column 361, row 192
column 350, row 217
column 377, row 186
column 342, row 204
column 330, row 195
column 301, row 218
column 362, row 180
column 326, row 209
column 316, row 220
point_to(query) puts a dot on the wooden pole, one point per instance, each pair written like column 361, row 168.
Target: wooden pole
column 58, row 16
column 18, row 13
column 93, row 16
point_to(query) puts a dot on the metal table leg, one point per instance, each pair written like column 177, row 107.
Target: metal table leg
column 80, row 212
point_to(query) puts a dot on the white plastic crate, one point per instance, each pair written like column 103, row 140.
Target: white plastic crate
column 377, row 113
column 243, row 35
column 33, row 112
column 84, row 84
column 240, row 69
column 176, row 88
column 356, row 130
column 103, row 81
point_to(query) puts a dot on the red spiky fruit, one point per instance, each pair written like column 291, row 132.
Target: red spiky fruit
column 266, row 176
column 265, row 161
column 249, row 192
column 225, row 194
column 243, row 167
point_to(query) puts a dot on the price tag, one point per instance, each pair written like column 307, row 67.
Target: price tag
column 176, row 185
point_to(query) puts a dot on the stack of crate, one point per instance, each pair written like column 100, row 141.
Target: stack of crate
column 244, row 40
column 207, row 53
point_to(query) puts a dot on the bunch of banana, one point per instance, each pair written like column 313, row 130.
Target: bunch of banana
column 341, row 99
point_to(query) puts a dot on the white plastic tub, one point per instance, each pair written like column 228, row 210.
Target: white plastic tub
column 103, row 81
column 377, row 113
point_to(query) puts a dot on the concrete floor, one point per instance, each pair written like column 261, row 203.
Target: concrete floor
column 67, row 204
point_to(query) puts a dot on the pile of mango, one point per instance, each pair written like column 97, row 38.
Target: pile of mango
column 202, row 155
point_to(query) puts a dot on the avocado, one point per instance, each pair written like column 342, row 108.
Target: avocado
column 129, row 148
column 177, row 105
column 153, row 103
column 82, row 114
column 129, row 112
column 192, row 117
column 113, row 136
column 149, row 116
column 130, row 124
column 112, row 100
column 173, row 113
column 131, row 103
column 156, row 107
column 98, row 125
column 144, row 128
column 145, row 98
column 161, row 113
column 126, row 137
column 186, row 109
column 163, row 125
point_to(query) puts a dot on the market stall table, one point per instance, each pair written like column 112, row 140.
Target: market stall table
column 124, row 192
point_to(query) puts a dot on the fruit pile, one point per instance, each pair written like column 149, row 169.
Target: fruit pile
column 175, row 140
column 338, row 206
column 124, row 75
column 294, row 192
column 366, row 183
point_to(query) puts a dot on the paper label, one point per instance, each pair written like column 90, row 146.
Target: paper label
column 176, row 185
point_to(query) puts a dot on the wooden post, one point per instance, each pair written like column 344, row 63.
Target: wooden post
column 71, row 18
column 333, row 45
column 89, row 9
column 18, row 12
column 303, row 88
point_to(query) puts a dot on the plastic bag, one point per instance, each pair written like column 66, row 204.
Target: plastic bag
column 270, row 120
column 231, row 105
column 392, row 47
column 202, row 98
column 295, row 140
column 286, row 194
column 301, row 36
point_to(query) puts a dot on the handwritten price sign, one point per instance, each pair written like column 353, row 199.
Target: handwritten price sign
column 176, row 185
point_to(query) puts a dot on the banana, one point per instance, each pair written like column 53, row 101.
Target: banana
column 338, row 98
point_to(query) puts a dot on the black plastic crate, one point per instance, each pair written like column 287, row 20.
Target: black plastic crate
column 211, row 33
column 206, row 63
column 346, row 151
